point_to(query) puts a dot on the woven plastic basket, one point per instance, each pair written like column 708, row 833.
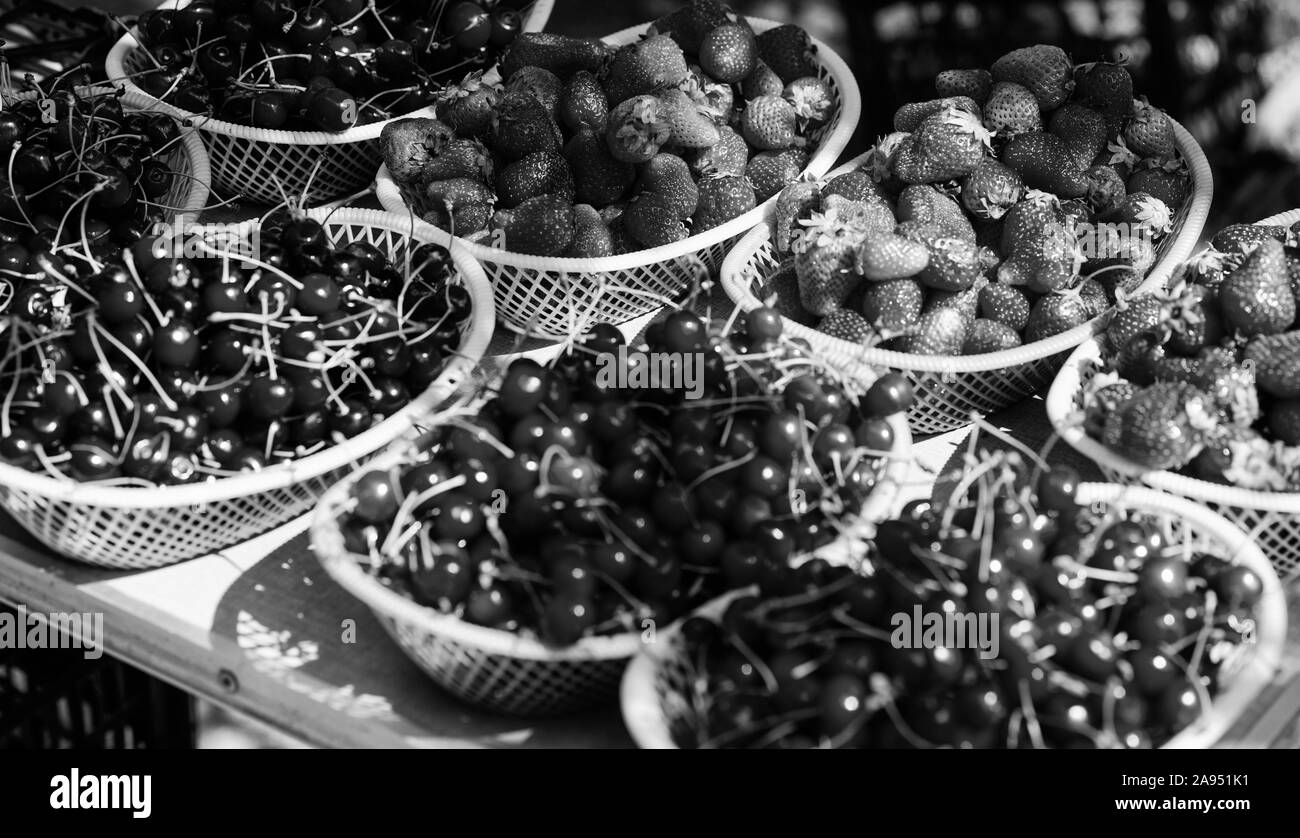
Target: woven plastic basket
column 503, row 671
column 1272, row 518
column 660, row 677
column 266, row 165
column 948, row 388
column 130, row 528
column 556, row 297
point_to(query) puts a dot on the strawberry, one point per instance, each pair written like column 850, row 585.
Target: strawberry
column 1046, row 70
column 643, row 67
column 781, row 291
column 651, row 220
column 1256, row 298
column 929, row 205
column 688, row 127
column 1140, row 211
column 991, row 189
column 1011, row 109
column 948, row 144
column 1284, row 421
column 539, row 173
column 1040, row 252
column 542, row 85
column 468, row 108
column 523, row 126
column 892, row 304
column 1231, row 388
column 1156, row 429
column 1293, row 277
column 1044, row 162
column 1108, row 89
column 869, row 216
column 461, row 206
column 637, row 129
column 825, row 274
column 1082, row 129
column 1102, row 410
column 1126, row 261
column 1053, row 314
column 953, row 264
column 1094, row 297
column 910, row 115
column 541, row 226
column 591, row 237
column 855, row 186
column 727, row 156
column 812, row 100
column 561, row 54
column 1172, row 187
column 461, row 158
column 728, row 53
column 1193, row 315
column 768, row 123
column 770, row 171
column 1243, row 238
column 583, row 104
column 880, row 160
column 722, row 198
column 788, row 51
column 938, row 332
column 690, row 24
column 989, row 336
column 888, row 256
column 1149, row 132
column 668, row 176
column 1007, row 304
column 599, row 178
column 715, row 101
column 1134, row 316
column 1277, row 363
column 965, row 302
column 846, row 324
column 1106, row 190
column 410, row 144
column 761, row 82
column 974, row 84
column 796, row 202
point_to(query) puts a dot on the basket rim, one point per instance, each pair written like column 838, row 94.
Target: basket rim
column 643, row 713
column 736, row 282
column 538, row 15
column 281, row 475
column 345, row 568
column 1060, row 406
column 821, row 160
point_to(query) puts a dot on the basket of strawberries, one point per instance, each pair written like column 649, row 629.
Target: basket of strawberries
column 291, row 96
column 599, row 180
column 1193, row 390
column 1117, row 617
column 525, row 549
column 173, row 398
column 986, row 236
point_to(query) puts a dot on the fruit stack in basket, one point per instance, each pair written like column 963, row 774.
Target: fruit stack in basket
column 591, row 151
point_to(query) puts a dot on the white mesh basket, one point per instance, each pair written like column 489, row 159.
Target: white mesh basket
column 266, row 165
column 500, row 670
column 659, row 679
column 948, row 388
column 131, row 528
column 555, row 297
column 1272, row 518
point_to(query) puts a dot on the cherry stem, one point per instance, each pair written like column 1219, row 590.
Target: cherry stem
column 95, row 328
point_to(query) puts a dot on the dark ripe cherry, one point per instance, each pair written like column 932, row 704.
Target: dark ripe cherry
column 635, row 523
column 691, row 460
column 833, row 443
column 446, row 575
column 566, row 619
column 310, row 392
column 980, row 704
column 742, row 439
column 491, row 606
column 92, row 459
column 218, row 62
column 349, row 73
column 33, row 166
column 1021, row 548
column 612, row 560
column 889, row 394
column 247, row 459
column 523, row 387
column 556, row 393
column 269, row 397
column 702, row 544
column 612, row 421
column 843, row 703
column 147, row 457
column 630, row 482
column 1157, row 623
column 604, row 337
column 519, row 473
column 341, row 10
column 182, row 304
column 310, row 428
column 318, row 296
column 469, row 25
column 572, row 576
column 866, row 600
column 189, row 428
column 389, row 395
column 161, row 130
column 275, row 291
column 684, row 332
column 481, row 478
column 62, row 395
column 425, row 476
column 302, row 342
column 1179, row 705
column 176, row 345
column 49, row 426
column 1093, row 656
column 762, row 476
column 114, row 190
column 750, row 511
column 310, row 27
column 692, row 425
column 473, row 440
column 875, row 434
column 716, row 498
column 225, row 297
column 92, row 420
column 1239, row 587
column 457, row 516
column 1058, row 488
column 396, row 59
column 377, row 495
column 673, row 507
column 391, row 357
column 796, row 683
column 1162, row 578
column 227, row 351
column 270, row 16
column 658, row 579
column 18, row 448
column 221, row 407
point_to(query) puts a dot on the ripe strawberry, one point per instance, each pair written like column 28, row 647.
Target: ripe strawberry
column 768, row 123
column 929, row 205
column 461, row 206
column 591, row 237
column 892, row 304
column 795, row 203
column 541, row 84
column 888, row 256
column 651, row 221
column 1106, row 190
column 938, row 332
column 1284, row 421
column 1011, row 109
column 1053, row 314
column 770, row 171
column 1108, row 89
column 989, row 336
column 1277, row 363
column 648, row 65
column 965, row 302
column 728, row 53
column 561, row 54
column 539, row 173
column 1231, row 388
column 826, row 275
column 855, row 186
column 1242, row 238
column 788, row 51
column 1046, row 70
column 583, row 104
column 668, row 176
column 991, row 189
column 1040, row 252
column 715, row 101
column 1149, row 132
column 468, row 108
column 1141, row 212
column 1256, row 298
column 910, row 115
column 690, row 24
column 1293, row 278
column 1044, row 162
column 687, row 126
column 761, row 82
column 727, row 156
column 1134, row 316
column 954, row 264
column 1006, row 304
column 410, row 144
column 1193, row 316
column 781, row 291
column 1172, row 187
column 847, row 324
column 975, row 84
column 1156, row 429
column 1082, row 129
column 869, row 216
column 541, row 226
column 722, row 198
column 461, row 158
column 1094, row 297
column 522, row 127
column 948, row 144
column 599, row 178
column 812, row 99
column 881, row 158
column 637, row 129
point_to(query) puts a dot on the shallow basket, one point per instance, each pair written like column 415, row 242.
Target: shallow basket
column 266, row 165
column 502, row 671
column 949, row 388
column 1272, row 518
column 556, row 297
column 132, row 528
column 659, row 678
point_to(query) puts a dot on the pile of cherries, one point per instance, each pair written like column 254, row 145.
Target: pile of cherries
column 76, row 168
column 145, row 369
column 321, row 65
column 1111, row 633
column 566, row 507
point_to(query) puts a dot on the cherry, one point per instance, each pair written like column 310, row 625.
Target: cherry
column 469, row 25
column 310, row 27
column 491, row 606
column 1155, row 624
column 875, row 434
column 843, row 703
column 1162, row 578
column 225, row 297
column 148, row 456
column 176, row 344
column 613, row 560
column 445, row 575
column 523, row 387
column 889, row 394
column 832, row 444
column 352, row 418
column 701, row 545
column 782, row 435
column 1179, row 705
column 269, row 397
column 684, row 332
column 506, row 26
column 221, row 407
column 457, row 516
column 1239, row 587
column 567, row 618
column 92, row 459
column 673, row 507
column 1153, row 671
